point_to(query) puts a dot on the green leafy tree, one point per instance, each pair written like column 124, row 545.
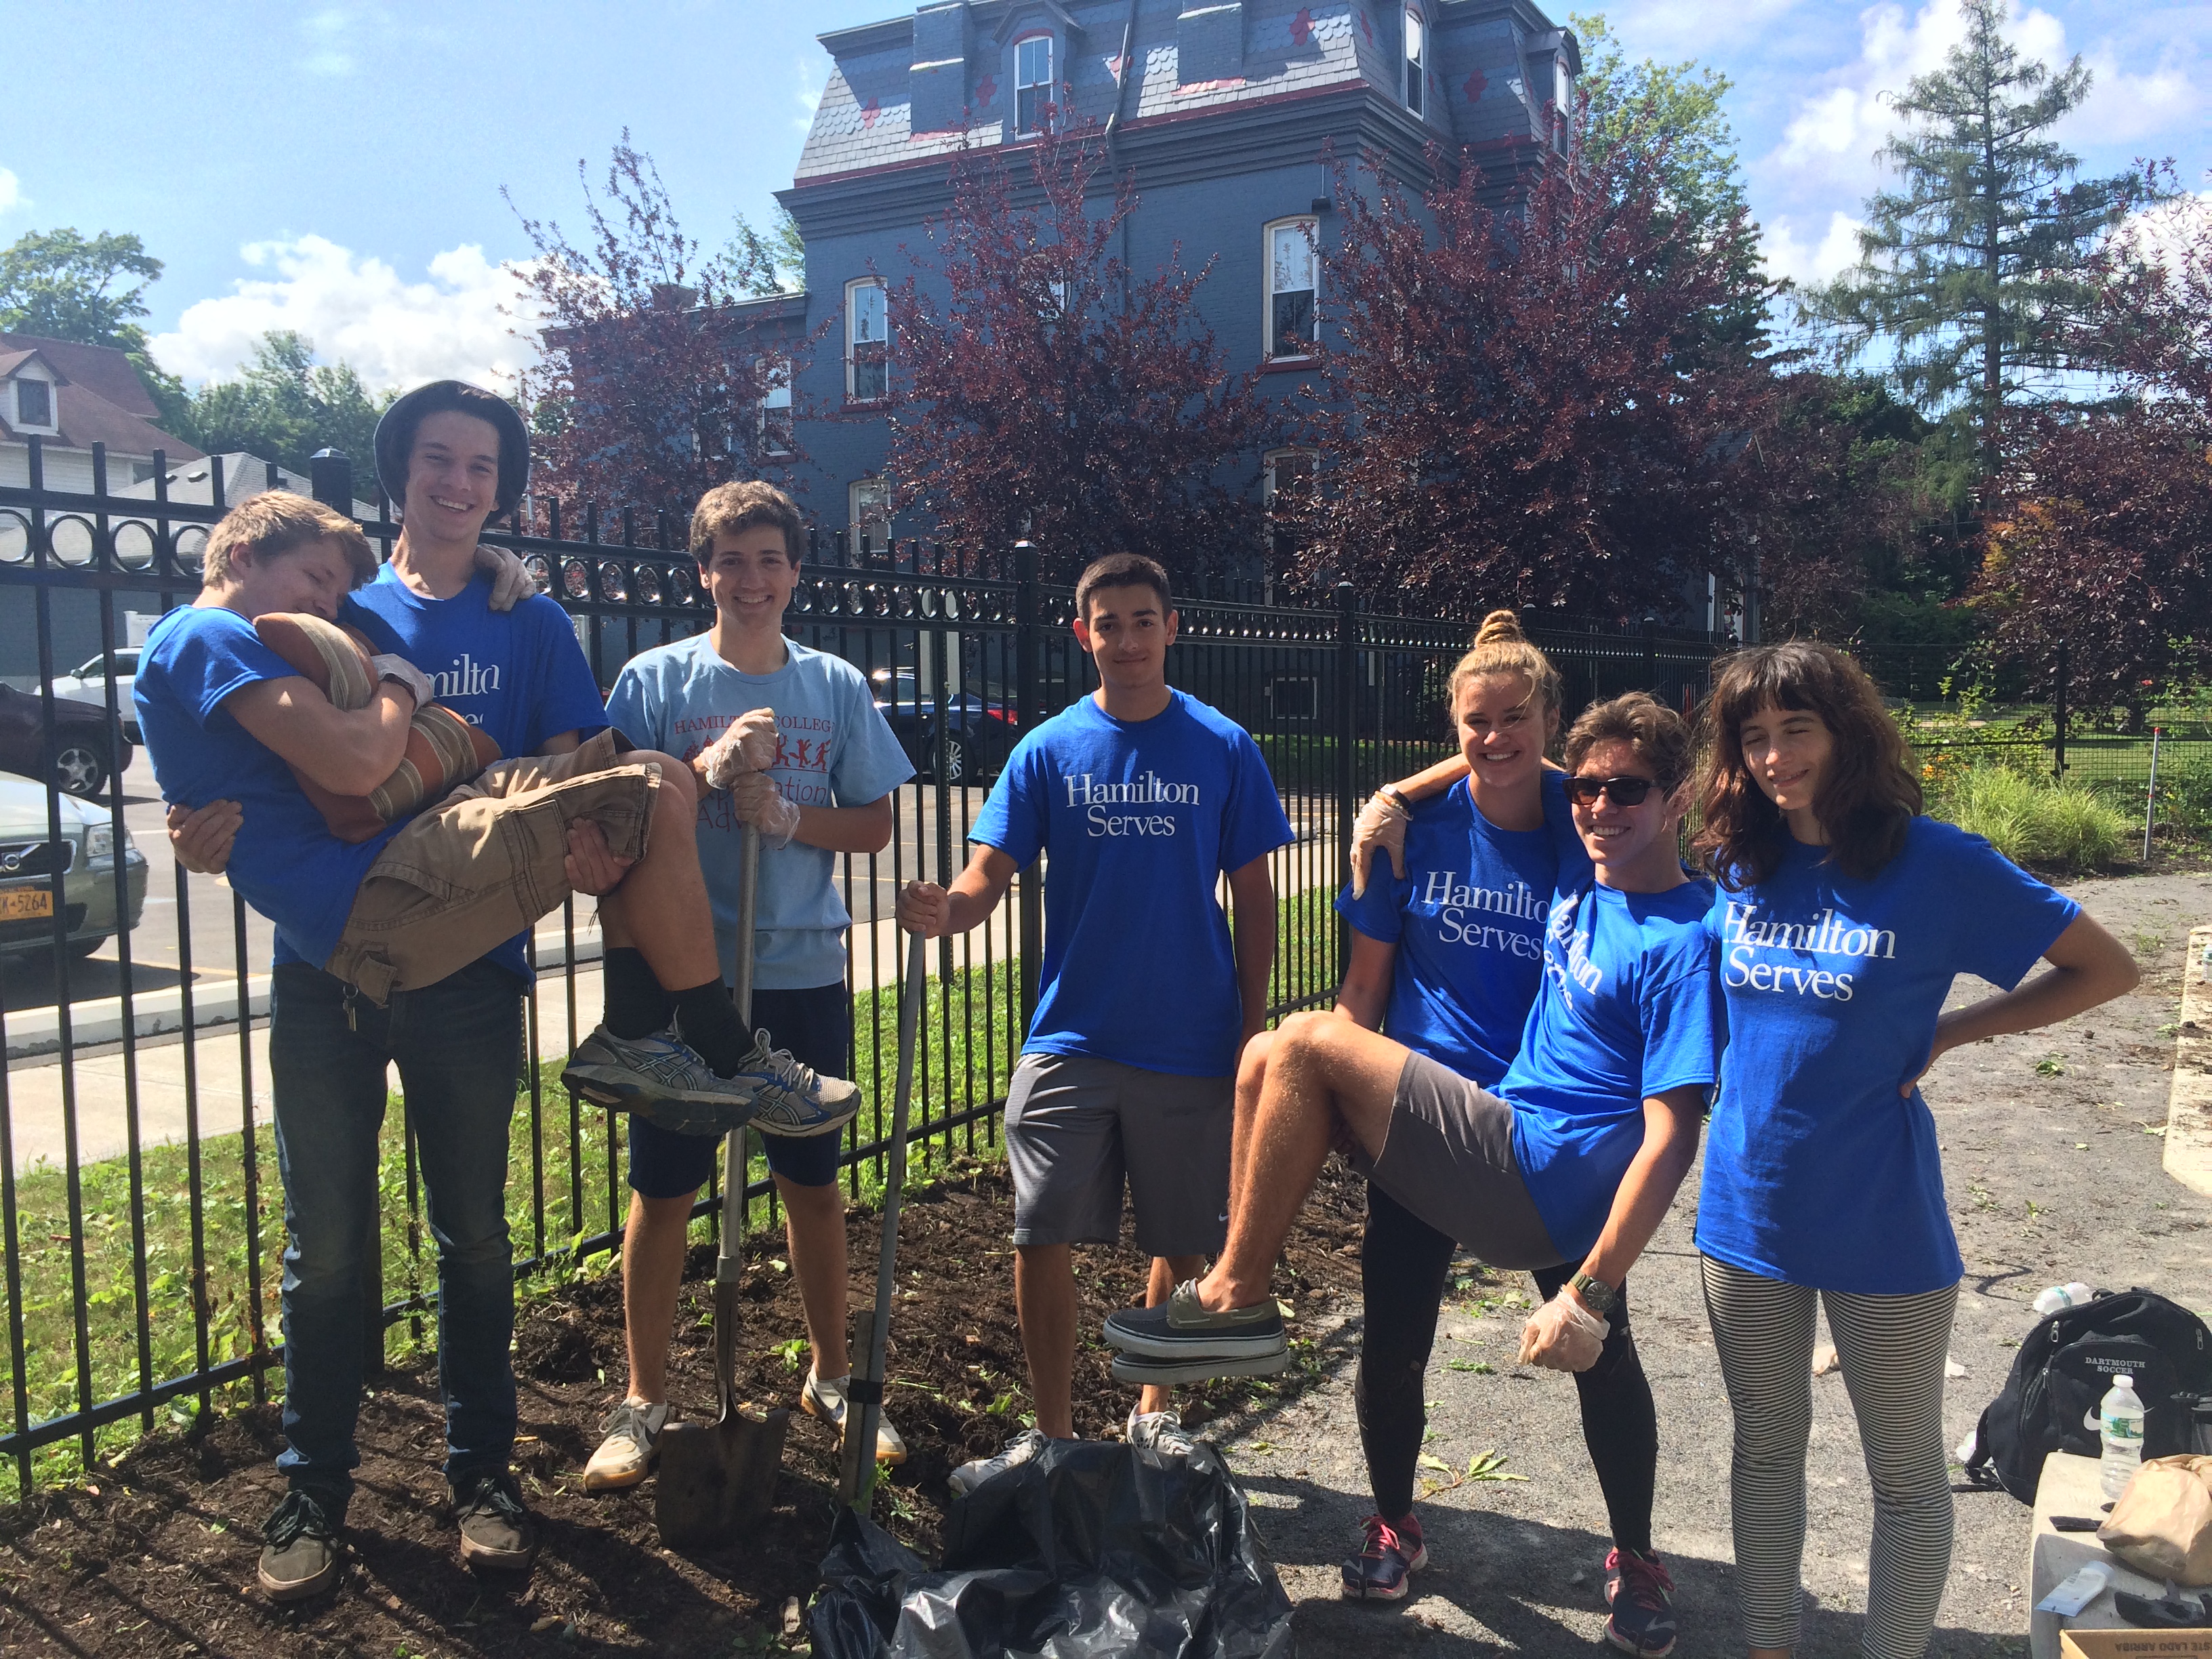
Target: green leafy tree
column 285, row 406
column 1971, row 270
column 772, row 261
column 63, row 285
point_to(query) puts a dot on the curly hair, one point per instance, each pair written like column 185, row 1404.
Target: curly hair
column 1660, row 737
column 1866, row 801
column 730, row 509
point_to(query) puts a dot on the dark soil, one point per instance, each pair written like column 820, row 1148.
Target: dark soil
column 155, row 1554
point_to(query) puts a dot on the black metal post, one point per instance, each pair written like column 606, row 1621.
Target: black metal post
column 329, row 475
column 1028, row 706
column 1348, row 719
column 2059, row 689
column 1652, row 655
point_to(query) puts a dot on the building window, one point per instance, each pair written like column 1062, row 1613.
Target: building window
column 775, row 427
column 868, row 341
column 34, row 403
column 1032, row 82
column 1563, row 99
column 1285, row 474
column 1417, row 60
column 869, row 502
column 1291, row 288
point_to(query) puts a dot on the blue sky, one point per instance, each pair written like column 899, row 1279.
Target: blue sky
column 337, row 168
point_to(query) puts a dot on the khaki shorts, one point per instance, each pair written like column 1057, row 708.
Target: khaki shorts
column 486, row 862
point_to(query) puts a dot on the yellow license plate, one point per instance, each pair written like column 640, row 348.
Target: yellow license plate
column 25, row 902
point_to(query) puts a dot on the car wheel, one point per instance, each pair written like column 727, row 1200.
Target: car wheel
column 79, row 769
column 955, row 759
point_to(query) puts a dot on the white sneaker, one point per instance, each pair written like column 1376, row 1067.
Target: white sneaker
column 825, row 1397
column 631, row 1440
column 1022, row 1448
column 1160, row 1431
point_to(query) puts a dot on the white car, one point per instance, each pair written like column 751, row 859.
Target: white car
column 86, row 856
column 87, row 683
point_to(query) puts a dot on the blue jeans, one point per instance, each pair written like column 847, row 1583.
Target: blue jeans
column 457, row 1043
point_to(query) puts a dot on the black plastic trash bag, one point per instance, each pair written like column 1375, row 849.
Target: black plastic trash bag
column 1086, row 1549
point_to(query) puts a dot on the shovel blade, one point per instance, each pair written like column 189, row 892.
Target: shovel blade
column 718, row 1480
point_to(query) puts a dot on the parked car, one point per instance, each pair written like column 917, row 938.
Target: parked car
column 979, row 731
column 83, row 761
column 87, row 683
column 86, row 855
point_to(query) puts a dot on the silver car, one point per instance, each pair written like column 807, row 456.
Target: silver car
column 87, row 683
column 85, row 854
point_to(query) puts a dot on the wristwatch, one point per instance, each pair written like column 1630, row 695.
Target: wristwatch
column 1599, row 1295
column 1397, row 797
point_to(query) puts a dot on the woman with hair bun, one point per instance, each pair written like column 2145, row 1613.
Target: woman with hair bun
column 1842, row 917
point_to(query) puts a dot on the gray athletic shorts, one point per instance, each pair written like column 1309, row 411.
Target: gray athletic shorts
column 1077, row 1126
column 1449, row 1158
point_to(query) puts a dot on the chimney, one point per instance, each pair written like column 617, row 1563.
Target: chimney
column 674, row 296
column 1210, row 41
column 940, row 75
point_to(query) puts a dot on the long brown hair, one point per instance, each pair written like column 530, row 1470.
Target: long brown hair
column 1868, row 796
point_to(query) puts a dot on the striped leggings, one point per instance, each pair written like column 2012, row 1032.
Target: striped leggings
column 1892, row 1349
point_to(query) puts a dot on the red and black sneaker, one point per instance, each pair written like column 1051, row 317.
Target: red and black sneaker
column 1641, row 1597
column 1388, row 1555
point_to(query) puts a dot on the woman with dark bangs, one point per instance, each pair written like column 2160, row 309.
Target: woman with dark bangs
column 1842, row 916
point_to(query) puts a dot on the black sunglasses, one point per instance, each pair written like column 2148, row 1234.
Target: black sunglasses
column 1625, row 792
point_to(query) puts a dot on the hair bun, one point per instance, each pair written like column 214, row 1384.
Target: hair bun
column 1498, row 625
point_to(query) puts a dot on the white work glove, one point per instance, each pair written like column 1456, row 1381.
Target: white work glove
column 511, row 581
column 1563, row 1335
column 755, row 800
column 390, row 666
column 748, row 745
column 1382, row 822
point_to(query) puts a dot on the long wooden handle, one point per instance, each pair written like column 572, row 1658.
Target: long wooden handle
column 729, row 1259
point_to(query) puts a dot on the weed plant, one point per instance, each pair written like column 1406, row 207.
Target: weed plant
column 2031, row 820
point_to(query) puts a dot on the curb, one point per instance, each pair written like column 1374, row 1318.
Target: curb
column 2188, row 1109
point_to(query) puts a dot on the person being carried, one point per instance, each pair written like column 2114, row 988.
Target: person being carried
column 1142, row 798
column 1571, row 1162
column 788, row 741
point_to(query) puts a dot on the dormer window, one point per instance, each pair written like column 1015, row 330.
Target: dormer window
column 1417, row 60
column 34, row 403
column 1032, row 84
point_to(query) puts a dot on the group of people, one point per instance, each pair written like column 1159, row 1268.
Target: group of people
column 1541, row 1009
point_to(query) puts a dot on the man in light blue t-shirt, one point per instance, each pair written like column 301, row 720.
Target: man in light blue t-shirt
column 788, row 741
column 1141, row 798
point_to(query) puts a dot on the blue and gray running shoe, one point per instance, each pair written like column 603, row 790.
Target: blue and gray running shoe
column 792, row 1099
column 662, row 1080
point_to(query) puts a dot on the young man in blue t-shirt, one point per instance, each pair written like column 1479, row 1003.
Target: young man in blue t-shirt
column 1578, row 1153
column 789, row 741
column 1142, row 799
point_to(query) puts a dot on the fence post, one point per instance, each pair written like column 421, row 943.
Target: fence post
column 329, row 473
column 1028, row 711
column 1347, row 717
column 2058, row 714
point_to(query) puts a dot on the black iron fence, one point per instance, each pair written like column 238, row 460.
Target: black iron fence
column 139, row 1207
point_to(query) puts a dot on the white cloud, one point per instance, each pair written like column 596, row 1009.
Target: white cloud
column 1791, row 255
column 358, row 309
column 2123, row 106
column 329, row 32
column 809, row 95
column 12, row 191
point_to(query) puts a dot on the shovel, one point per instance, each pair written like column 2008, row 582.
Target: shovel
column 717, row 1479
column 856, row 1479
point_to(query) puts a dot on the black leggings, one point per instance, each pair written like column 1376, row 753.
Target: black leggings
column 1403, row 1262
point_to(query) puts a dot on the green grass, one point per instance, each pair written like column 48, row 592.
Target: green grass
column 2032, row 820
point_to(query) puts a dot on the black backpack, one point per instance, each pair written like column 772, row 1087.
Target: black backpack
column 2063, row 1370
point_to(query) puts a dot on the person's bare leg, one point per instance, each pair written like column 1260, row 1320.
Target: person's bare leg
column 814, row 1226
column 1251, row 1078
column 653, row 1272
column 1168, row 1272
column 1322, row 1070
column 661, row 910
column 1044, row 1300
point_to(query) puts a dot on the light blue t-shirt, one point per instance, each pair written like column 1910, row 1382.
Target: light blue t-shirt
column 1138, row 820
column 519, row 674
column 1469, row 923
column 1629, row 1009
column 285, row 862
column 1817, row 1170
column 833, row 749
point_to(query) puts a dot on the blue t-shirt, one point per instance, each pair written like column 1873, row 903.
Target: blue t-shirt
column 1469, row 923
column 1137, row 821
column 1817, row 1170
column 519, row 674
column 1628, row 1009
column 285, row 863
column 833, row 749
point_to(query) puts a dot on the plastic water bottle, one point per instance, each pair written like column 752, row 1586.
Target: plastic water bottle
column 2062, row 1295
column 2120, row 1423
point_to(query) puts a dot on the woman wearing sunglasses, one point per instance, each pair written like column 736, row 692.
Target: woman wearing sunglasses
column 1842, row 916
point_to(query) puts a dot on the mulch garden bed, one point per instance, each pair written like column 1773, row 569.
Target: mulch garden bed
column 156, row 1553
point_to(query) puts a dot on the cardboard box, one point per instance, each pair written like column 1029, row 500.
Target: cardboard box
column 2135, row 1644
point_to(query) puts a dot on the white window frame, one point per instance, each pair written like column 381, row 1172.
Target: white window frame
column 1563, row 100
column 22, row 423
column 1415, row 28
column 776, row 375
column 855, row 338
column 861, row 516
column 1025, row 127
column 1273, row 458
column 1310, row 226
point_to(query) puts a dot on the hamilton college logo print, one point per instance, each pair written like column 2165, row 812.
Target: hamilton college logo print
column 1098, row 800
